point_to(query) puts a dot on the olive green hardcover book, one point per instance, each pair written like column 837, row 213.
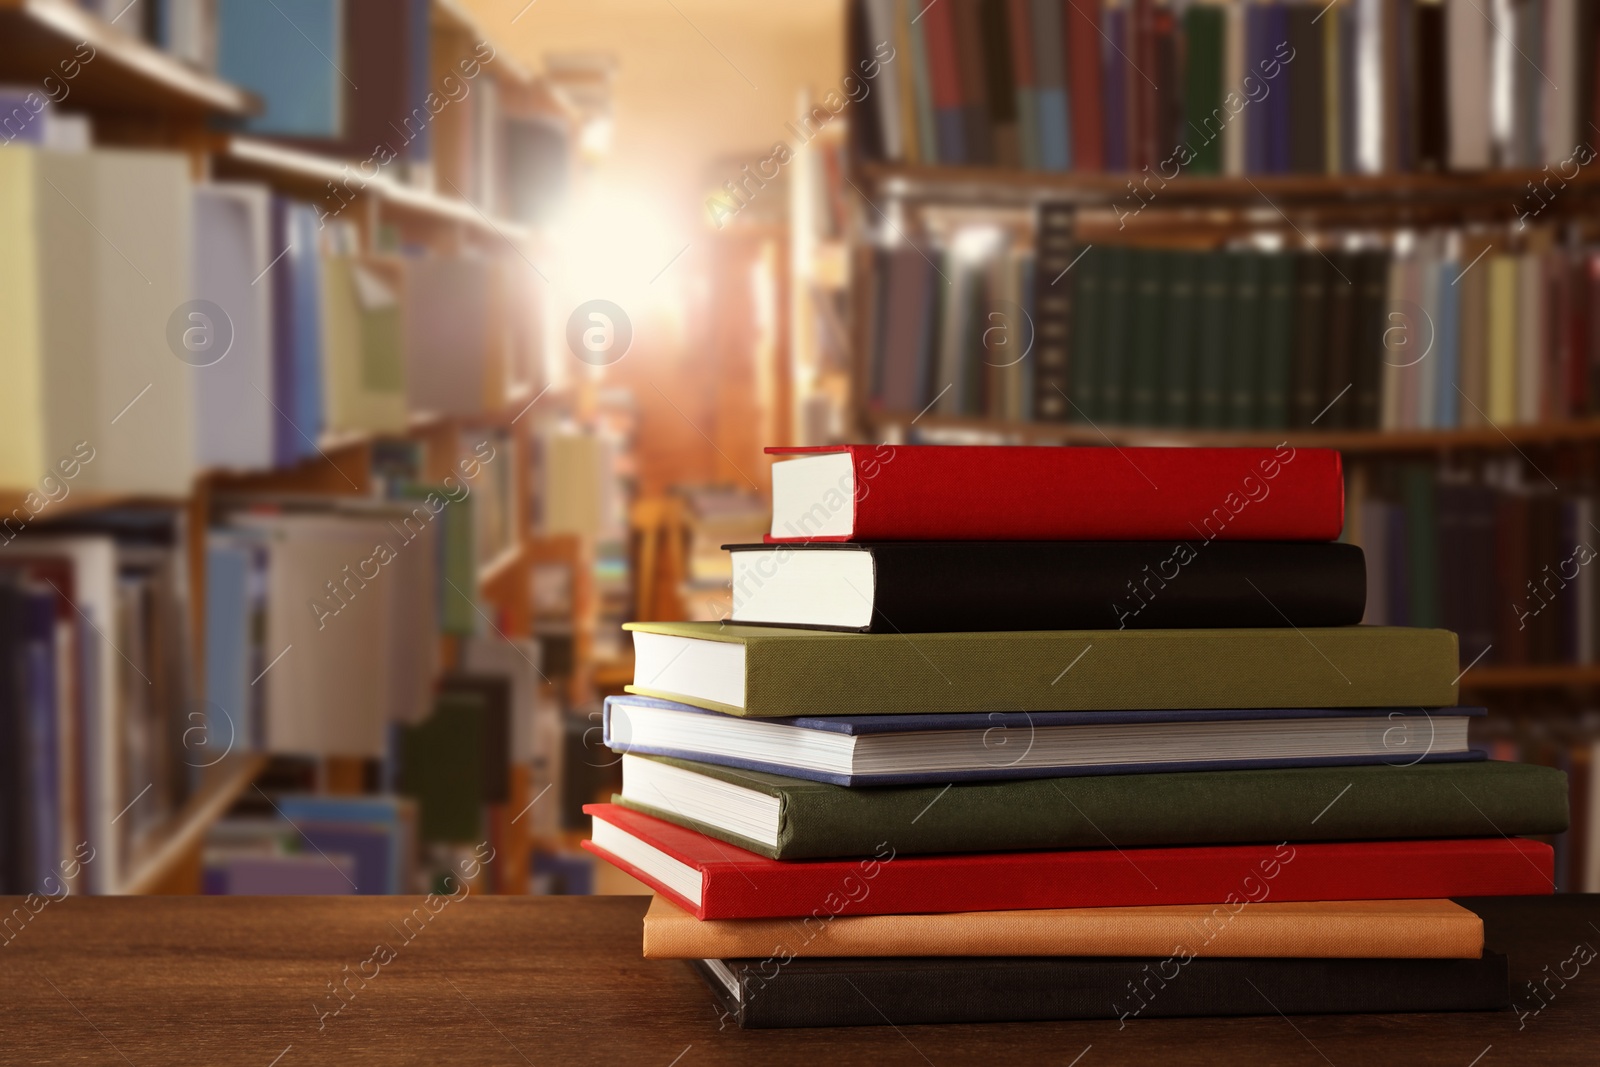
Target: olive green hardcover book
column 770, row 671
column 814, row 820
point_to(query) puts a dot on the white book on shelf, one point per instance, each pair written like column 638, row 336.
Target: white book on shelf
column 231, row 357
column 1467, row 58
column 1560, row 89
column 140, row 216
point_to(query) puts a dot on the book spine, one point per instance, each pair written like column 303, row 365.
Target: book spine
column 1244, row 352
column 1215, row 330
column 1054, row 278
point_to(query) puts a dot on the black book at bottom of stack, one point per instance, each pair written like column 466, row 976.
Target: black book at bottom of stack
column 762, row 994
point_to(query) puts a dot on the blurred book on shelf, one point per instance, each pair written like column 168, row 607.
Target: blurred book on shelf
column 1433, row 329
column 1304, row 87
column 715, row 516
column 95, row 701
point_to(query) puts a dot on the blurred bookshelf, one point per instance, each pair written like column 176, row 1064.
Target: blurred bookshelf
column 422, row 381
column 1354, row 226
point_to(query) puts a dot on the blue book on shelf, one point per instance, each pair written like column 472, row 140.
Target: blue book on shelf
column 1257, row 116
column 386, row 815
column 1277, row 32
column 859, row 750
column 305, row 278
column 290, row 53
column 228, row 679
column 1114, row 72
column 38, row 655
column 419, row 45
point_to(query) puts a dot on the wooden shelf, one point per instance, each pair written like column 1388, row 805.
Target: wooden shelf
column 1543, row 676
column 124, row 74
column 79, row 502
column 183, row 836
column 1355, row 441
column 308, row 175
column 998, row 185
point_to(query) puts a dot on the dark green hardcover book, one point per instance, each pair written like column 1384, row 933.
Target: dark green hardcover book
column 1204, row 116
column 1422, row 542
column 1215, row 337
column 1277, row 339
column 1150, row 289
column 1310, row 337
column 442, row 763
column 1180, row 345
column 1116, row 336
column 821, row 821
column 1339, row 372
column 777, row 671
column 1244, row 354
column 1085, row 340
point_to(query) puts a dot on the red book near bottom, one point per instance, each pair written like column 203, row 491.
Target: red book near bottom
column 714, row 880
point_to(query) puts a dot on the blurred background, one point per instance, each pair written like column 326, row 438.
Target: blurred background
column 364, row 364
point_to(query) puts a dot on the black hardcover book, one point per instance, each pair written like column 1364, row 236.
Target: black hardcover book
column 956, row 586
column 1372, row 281
column 1306, row 401
column 1339, row 367
column 999, row 83
column 773, row 994
column 1307, row 86
column 1053, row 284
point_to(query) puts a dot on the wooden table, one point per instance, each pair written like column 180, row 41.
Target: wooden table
column 543, row 980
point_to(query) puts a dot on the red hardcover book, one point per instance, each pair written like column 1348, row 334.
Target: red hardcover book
column 944, row 68
column 988, row 493
column 713, row 880
column 1082, row 21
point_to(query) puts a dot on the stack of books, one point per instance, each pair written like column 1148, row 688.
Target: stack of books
column 1047, row 733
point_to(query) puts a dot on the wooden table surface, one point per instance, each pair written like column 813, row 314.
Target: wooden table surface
column 241, row 981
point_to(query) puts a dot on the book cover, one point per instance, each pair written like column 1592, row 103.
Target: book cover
column 765, row 671
column 1407, row 797
column 763, row 994
column 1049, row 71
column 713, row 880
column 952, row 586
column 1353, row 929
column 961, row 493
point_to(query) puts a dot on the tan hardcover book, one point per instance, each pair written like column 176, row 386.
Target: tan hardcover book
column 1359, row 929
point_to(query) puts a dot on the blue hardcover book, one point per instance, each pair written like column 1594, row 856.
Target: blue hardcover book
column 1447, row 407
column 858, row 750
column 1277, row 32
column 305, row 273
column 228, row 726
column 1050, row 80
column 44, row 796
column 419, row 46
column 1257, row 116
column 290, row 53
column 1115, row 75
column 392, row 817
column 952, row 137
